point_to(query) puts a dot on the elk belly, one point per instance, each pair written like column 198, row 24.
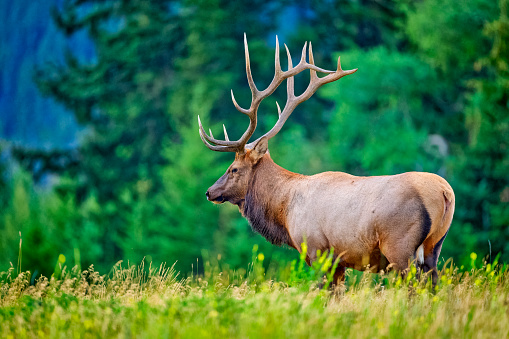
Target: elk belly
column 357, row 216
column 325, row 221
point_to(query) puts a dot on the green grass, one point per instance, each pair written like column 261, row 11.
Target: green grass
column 144, row 302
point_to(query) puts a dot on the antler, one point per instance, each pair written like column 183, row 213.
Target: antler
column 257, row 97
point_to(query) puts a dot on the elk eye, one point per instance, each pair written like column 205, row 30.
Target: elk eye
column 234, row 170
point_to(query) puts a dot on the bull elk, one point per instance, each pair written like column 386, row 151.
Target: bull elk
column 400, row 217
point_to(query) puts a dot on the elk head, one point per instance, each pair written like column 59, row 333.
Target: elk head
column 233, row 185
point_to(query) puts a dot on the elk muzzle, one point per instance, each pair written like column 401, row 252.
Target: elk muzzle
column 214, row 197
column 215, row 193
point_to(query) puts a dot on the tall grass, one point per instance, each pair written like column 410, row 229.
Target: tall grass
column 145, row 301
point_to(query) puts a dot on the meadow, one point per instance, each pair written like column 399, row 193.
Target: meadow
column 259, row 302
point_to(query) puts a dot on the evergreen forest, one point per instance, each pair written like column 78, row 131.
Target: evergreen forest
column 100, row 156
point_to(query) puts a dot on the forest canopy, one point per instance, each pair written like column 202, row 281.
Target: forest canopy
column 431, row 94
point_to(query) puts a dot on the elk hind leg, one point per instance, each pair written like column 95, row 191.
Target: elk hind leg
column 399, row 251
column 431, row 254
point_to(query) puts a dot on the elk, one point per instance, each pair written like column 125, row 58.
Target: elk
column 370, row 222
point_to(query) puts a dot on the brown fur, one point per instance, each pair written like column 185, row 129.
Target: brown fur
column 268, row 216
column 371, row 221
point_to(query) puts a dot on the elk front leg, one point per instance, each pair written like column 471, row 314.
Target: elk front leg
column 339, row 276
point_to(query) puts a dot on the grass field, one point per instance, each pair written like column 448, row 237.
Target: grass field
column 146, row 302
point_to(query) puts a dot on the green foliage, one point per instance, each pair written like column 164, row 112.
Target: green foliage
column 37, row 227
column 430, row 95
column 454, row 41
column 322, row 270
column 485, row 162
column 362, row 119
column 154, row 301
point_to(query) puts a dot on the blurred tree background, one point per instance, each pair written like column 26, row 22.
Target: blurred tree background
column 100, row 157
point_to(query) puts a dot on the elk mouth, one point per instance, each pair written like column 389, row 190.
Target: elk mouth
column 217, row 200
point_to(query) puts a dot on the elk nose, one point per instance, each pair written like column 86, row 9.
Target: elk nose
column 207, row 194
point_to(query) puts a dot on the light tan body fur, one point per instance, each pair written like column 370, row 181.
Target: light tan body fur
column 360, row 217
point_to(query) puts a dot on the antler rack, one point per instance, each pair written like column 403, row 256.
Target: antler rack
column 257, row 96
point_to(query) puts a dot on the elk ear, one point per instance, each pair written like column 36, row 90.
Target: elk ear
column 259, row 149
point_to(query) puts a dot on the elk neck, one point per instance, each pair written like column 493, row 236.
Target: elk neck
column 269, row 195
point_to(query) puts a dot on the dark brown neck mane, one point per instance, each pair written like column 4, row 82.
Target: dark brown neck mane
column 268, row 197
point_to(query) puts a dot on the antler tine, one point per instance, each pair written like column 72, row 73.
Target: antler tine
column 277, row 62
column 250, row 80
column 211, row 139
column 312, row 72
column 225, row 133
column 316, row 82
column 240, row 109
column 303, row 65
column 290, row 82
column 303, row 55
column 279, row 76
column 336, row 75
column 342, row 73
column 238, row 145
column 258, row 96
column 217, row 148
